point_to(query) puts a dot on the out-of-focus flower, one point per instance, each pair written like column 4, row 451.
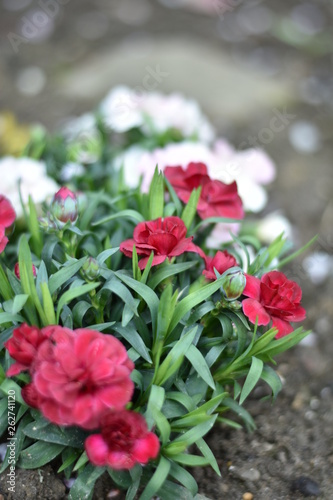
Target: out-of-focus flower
column 155, row 113
column 70, row 170
column 166, row 238
column 7, row 217
column 31, row 175
column 17, row 270
column 80, row 375
column 7, row 212
column 252, row 169
column 14, row 137
column 271, row 226
column 23, row 346
column 216, row 200
column 221, row 262
column 64, row 207
column 81, row 125
column 273, row 298
column 124, row 441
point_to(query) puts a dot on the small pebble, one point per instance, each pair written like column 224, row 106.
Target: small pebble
column 245, row 473
column 247, row 496
column 306, row 486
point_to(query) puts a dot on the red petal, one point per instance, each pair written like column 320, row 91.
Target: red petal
column 158, row 259
column 7, row 212
column 284, row 328
column 252, row 287
column 146, row 448
column 96, row 449
column 253, row 310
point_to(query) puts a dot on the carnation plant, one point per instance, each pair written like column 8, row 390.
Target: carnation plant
column 125, row 340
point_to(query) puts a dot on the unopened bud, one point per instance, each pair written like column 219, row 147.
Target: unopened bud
column 233, row 284
column 17, row 270
column 90, row 269
column 64, row 207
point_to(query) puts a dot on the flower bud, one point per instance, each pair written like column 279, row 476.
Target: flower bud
column 90, row 269
column 17, row 270
column 233, row 284
column 64, row 207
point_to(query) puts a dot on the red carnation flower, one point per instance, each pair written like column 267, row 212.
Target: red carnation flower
column 273, row 298
column 165, row 237
column 124, row 441
column 221, row 262
column 216, row 200
column 7, row 217
column 23, row 347
column 79, row 375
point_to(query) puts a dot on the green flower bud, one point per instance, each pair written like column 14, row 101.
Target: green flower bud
column 233, row 284
column 90, row 269
column 64, row 207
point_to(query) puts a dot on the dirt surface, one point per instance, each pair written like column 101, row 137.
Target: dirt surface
column 290, row 455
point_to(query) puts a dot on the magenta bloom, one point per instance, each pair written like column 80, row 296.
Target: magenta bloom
column 217, row 199
column 7, row 217
column 165, row 237
column 80, row 375
column 123, row 442
column 273, row 298
column 221, row 262
column 23, row 347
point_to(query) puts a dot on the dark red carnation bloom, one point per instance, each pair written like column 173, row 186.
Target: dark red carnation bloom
column 216, row 200
column 273, row 298
column 221, row 262
column 79, row 375
column 23, row 347
column 7, row 217
column 124, row 441
column 30, row 395
column 165, row 237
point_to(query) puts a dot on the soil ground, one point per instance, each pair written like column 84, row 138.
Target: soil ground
column 294, row 437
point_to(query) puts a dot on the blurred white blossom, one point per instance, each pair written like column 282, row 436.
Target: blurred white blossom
column 271, row 226
column 155, row 113
column 30, row 175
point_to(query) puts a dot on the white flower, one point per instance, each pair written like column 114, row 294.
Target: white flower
column 33, row 181
column 84, row 125
column 70, row 170
column 153, row 112
column 271, row 226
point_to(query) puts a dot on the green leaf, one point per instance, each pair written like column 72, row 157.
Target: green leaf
column 15, row 305
column 36, row 235
column 127, row 214
column 199, row 364
column 297, row 253
column 272, row 379
column 174, row 359
column 252, row 378
column 72, row 436
column 148, row 295
column 207, row 453
column 184, row 478
column 83, row 488
column 48, row 304
column 241, row 412
column 65, row 273
column 73, row 293
column 156, row 400
column 190, row 209
column 169, row 270
column 39, row 454
column 157, row 480
column 5, row 288
column 192, row 300
column 190, row 460
column 156, row 196
column 134, row 339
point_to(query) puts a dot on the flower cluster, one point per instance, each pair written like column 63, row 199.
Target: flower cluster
column 82, row 378
column 137, row 304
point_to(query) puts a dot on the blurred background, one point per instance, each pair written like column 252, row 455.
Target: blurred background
column 262, row 73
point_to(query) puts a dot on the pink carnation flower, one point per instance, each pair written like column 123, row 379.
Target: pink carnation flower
column 123, row 442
